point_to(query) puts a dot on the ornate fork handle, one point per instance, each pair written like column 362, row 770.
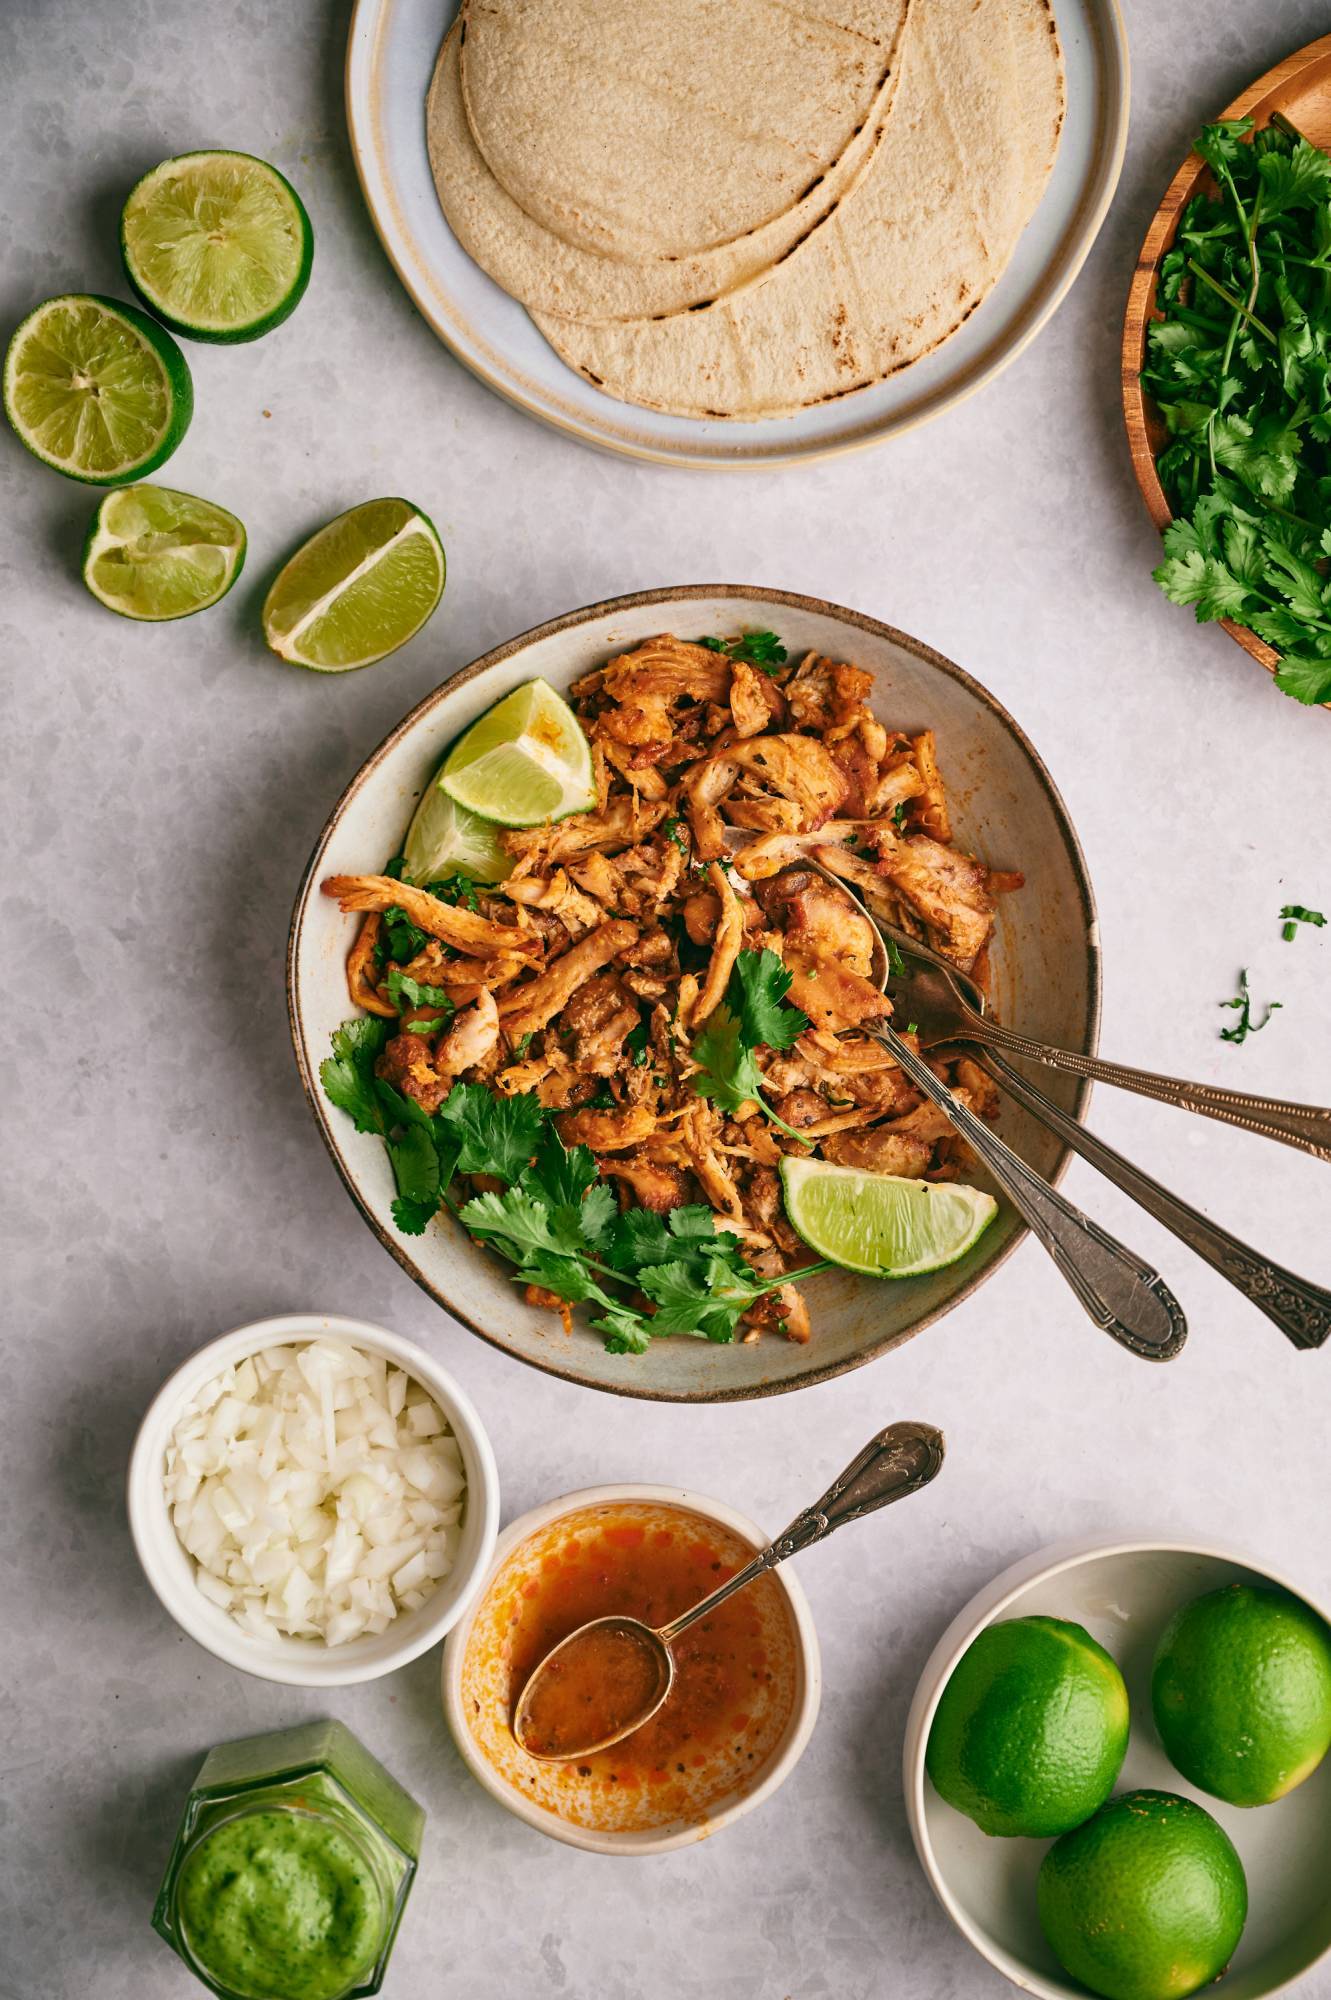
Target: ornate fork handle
column 1306, row 1126
column 1122, row 1294
column 897, row 1462
column 1301, row 1310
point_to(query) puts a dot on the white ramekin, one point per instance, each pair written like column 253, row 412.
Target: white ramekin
column 306, row 1662
column 661, row 1840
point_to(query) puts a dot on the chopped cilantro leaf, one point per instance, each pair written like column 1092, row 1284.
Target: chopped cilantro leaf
column 404, row 992
column 760, row 649
column 1245, row 1025
column 1294, row 914
column 348, row 1074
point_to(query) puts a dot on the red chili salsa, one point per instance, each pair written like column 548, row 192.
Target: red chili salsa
column 736, row 1671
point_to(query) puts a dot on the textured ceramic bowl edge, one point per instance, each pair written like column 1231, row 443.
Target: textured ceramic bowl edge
column 988, row 1604
column 783, row 1763
column 298, row 1663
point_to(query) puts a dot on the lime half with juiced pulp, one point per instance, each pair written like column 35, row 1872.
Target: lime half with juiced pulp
column 357, row 590
column 445, row 839
column 526, row 761
column 881, row 1225
column 96, row 389
column 154, row 554
column 217, row 244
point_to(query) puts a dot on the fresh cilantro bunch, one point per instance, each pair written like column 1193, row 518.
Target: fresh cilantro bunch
column 556, row 1219
column 1239, row 368
column 753, row 1015
column 760, row 649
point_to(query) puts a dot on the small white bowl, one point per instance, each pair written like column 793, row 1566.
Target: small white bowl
column 679, row 1833
column 306, row 1662
column 1123, row 1592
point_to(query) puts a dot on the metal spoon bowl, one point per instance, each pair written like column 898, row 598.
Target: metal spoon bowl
column 897, row 1462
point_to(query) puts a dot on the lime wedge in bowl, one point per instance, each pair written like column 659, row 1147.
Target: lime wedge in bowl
column 880, row 1225
column 217, row 244
column 526, row 761
column 96, row 389
column 154, row 554
column 445, row 839
column 357, row 590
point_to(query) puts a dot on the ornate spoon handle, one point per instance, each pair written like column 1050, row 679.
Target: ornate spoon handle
column 1121, row 1293
column 1306, row 1126
column 899, row 1461
column 1301, row 1311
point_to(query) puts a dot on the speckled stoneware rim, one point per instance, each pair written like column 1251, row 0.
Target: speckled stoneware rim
column 609, row 425
column 798, row 1730
column 988, row 1605
column 293, row 1662
column 670, row 598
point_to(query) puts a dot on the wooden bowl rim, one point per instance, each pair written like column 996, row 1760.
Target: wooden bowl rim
column 1141, row 309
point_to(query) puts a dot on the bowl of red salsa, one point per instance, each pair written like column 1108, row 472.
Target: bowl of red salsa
column 747, row 1678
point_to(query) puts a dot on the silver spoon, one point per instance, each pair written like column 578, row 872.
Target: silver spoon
column 947, row 1006
column 938, row 997
column 1123, row 1294
column 899, row 1461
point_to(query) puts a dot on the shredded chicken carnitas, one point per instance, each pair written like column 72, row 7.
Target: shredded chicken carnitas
column 587, row 974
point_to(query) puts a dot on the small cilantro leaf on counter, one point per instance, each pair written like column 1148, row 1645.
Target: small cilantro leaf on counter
column 1245, row 1025
column 1295, row 914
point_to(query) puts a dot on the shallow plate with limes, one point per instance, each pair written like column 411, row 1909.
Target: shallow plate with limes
column 1124, row 1593
column 1046, row 961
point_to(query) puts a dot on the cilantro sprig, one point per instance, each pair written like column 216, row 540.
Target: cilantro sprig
column 760, row 649
column 555, row 1219
column 1239, row 368
column 1245, row 1025
column 753, row 1015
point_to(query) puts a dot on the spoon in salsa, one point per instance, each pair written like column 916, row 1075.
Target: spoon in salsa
column 613, row 1674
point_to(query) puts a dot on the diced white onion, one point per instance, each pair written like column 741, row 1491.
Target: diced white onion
column 318, row 1491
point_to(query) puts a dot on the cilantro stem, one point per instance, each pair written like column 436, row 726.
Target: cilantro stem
column 1233, row 300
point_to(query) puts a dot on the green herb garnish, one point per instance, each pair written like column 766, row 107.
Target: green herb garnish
column 753, row 1015
column 1245, row 1024
column 1294, row 914
column 1238, row 368
column 761, row 649
column 404, row 991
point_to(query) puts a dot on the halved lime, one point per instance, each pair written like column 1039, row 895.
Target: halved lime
column 879, row 1224
column 218, row 244
column 524, row 762
column 153, row 553
column 445, row 839
column 358, row 589
column 96, row 389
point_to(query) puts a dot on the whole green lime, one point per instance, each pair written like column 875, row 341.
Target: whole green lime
column 1146, row 1901
column 1030, row 1732
column 1241, row 1690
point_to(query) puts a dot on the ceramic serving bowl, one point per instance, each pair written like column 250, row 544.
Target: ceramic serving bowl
column 305, row 1662
column 1045, row 958
column 1123, row 1592
column 464, row 1678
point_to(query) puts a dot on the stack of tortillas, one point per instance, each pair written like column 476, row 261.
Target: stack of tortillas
column 738, row 208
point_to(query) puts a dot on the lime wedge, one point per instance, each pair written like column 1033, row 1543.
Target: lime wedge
column 445, row 839
column 154, row 554
column 524, row 762
column 880, row 1225
column 357, row 590
column 217, row 244
column 96, row 389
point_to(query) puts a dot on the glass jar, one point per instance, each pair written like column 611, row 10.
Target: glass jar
column 291, row 1867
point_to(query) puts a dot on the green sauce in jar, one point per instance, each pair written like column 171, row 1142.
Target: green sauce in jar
column 281, row 1904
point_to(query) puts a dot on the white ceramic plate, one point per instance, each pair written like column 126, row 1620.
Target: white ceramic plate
column 1123, row 1593
column 390, row 59
column 1045, row 960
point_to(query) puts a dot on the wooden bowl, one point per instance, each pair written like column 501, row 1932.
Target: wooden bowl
column 1300, row 87
column 1046, row 968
